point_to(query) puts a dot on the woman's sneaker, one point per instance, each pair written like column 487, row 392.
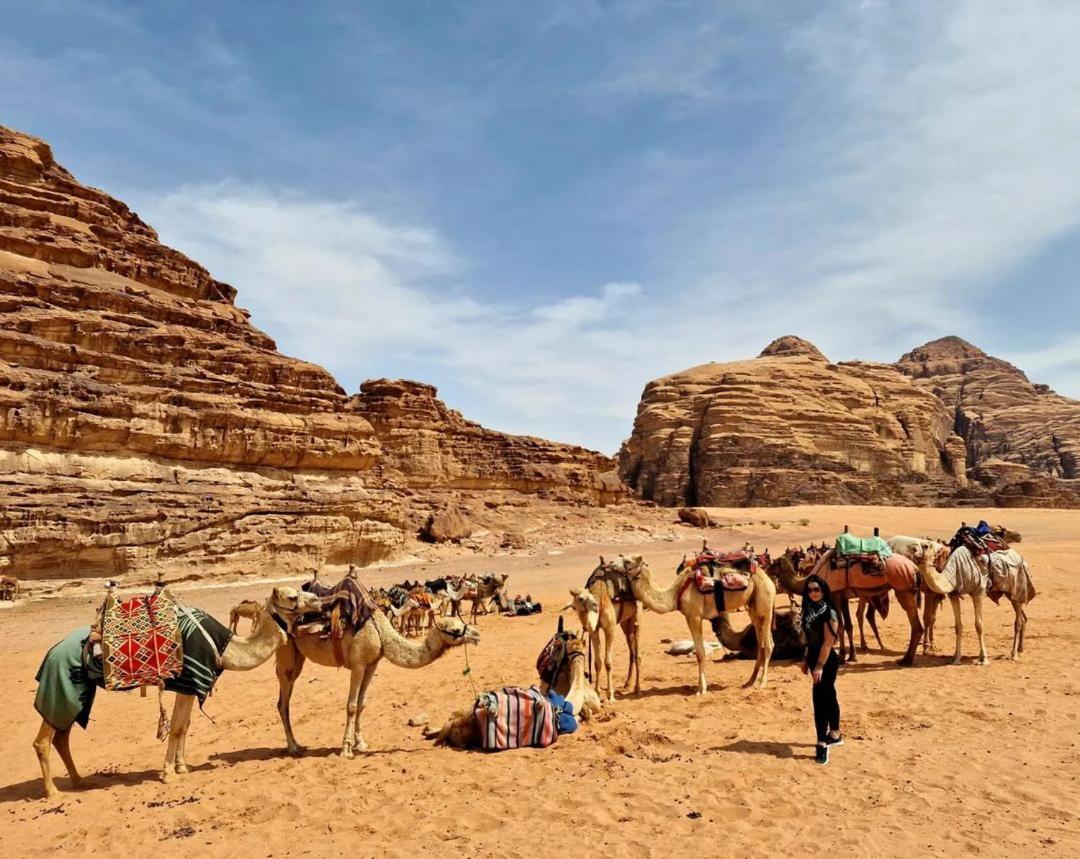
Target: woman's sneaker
column 822, row 755
column 834, row 741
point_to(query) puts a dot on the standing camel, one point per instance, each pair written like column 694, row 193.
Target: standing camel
column 362, row 649
column 852, row 582
column 759, row 598
column 245, row 608
column 999, row 573
column 241, row 654
column 938, row 553
column 607, row 601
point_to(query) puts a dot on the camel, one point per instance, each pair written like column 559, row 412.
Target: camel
column 245, row 608
column 461, row 730
column 900, row 577
column 598, row 612
column 9, row 588
column 758, row 598
column 363, row 649
column 276, row 616
column 914, row 548
column 788, row 639
column 1004, row 573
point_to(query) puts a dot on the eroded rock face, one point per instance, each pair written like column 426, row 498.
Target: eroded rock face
column 426, row 445
column 1013, row 430
column 947, row 424
column 146, row 425
column 787, row 427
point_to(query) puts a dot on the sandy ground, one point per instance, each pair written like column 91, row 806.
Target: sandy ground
column 939, row 760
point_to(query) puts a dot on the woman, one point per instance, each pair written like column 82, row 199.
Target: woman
column 819, row 625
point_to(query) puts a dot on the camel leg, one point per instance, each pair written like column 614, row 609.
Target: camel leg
column 954, row 599
column 699, row 650
column 1018, row 630
column 597, row 658
column 930, row 609
column 846, row 628
column 361, row 699
column 977, row 603
column 62, row 742
column 289, row 664
column 181, row 742
column 1022, row 612
column 861, row 615
column 763, row 623
column 630, row 632
column 181, row 718
column 609, row 645
column 871, row 616
column 352, row 706
column 43, row 744
column 909, row 605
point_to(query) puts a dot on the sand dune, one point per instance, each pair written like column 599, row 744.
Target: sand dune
column 939, row 760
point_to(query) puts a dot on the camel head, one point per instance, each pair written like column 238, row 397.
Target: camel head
column 454, row 632
column 634, row 566
column 586, row 607
column 287, row 604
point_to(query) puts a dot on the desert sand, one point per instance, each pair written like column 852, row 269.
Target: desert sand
column 938, row 760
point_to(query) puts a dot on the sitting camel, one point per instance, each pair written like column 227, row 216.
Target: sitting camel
column 606, row 601
column 788, row 639
column 245, row 608
column 999, row 573
column 362, row 650
column 759, row 599
column 276, row 617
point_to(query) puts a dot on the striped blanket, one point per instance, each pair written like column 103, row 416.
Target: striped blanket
column 514, row 718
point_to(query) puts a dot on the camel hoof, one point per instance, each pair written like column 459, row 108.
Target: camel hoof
column 984, row 660
column 168, row 777
column 295, row 751
column 53, row 793
column 906, row 661
column 347, row 752
column 361, row 746
column 957, row 661
column 181, row 769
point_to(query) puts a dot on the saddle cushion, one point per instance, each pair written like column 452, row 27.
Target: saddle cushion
column 617, row 582
column 140, row 641
column 353, row 599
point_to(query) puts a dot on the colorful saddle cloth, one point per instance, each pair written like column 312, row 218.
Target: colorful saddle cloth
column 140, row 641
column 349, row 596
column 550, row 661
column 979, row 541
column 514, row 718
column 850, row 545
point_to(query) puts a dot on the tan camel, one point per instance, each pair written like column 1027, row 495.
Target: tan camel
column 914, row 548
column 598, row 612
column 363, row 650
column 964, row 574
column 245, row 608
column 241, row 654
column 759, row 599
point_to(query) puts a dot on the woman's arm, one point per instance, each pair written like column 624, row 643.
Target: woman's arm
column 826, row 645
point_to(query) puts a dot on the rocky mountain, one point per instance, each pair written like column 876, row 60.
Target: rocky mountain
column 790, row 427
column 146, row 424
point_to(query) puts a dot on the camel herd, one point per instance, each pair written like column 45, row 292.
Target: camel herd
column 614, row 595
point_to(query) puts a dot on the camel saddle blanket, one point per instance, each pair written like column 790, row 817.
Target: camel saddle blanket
column 978, row 541
column 515, row 718
column 739, row 559
column 72, row 672
column 618, row 582
column 140, row 641
column 352, row 600
column 729, row 580
column 1010, row 577
column 896, row 571
column 849, row 544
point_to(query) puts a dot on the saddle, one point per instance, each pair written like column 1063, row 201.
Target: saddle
column 868, row 552
column 617, row 581
column 739, row 559
column 981, row 540
column 347, row 602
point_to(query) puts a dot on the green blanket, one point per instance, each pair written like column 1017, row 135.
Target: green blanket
column 66, row 690
column 849, row 544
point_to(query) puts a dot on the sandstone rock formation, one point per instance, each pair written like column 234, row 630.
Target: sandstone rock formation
column 446, row 525
column 1020, row 439
column 947, row 424
column 146, row 425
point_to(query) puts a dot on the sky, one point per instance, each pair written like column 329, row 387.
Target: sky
column 539, row 207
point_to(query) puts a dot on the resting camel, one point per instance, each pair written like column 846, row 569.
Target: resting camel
column 758, row 598
column 276, row 616
column 788, row 639
column 598, row 611
column 245, row 608
column 1000, row 573
column 852, row 582
column 363, row 650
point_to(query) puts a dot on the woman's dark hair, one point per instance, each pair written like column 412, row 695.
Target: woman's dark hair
column 809, row 615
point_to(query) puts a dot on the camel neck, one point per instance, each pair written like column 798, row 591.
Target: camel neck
column 655, row 599
column 404, row 653
column 246, row 652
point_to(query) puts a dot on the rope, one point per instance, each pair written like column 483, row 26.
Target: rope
column 467, row 671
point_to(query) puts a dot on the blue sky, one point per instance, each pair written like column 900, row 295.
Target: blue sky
column 539, row 207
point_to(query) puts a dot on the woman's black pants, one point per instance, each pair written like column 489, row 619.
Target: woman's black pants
column 826, row 705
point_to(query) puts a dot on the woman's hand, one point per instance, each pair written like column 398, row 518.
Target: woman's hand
column 805, row 668
column 817, row 676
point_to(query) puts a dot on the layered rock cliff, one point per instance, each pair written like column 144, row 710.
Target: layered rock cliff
column 1022, row 440
column 146, row 424
column 789, row 427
